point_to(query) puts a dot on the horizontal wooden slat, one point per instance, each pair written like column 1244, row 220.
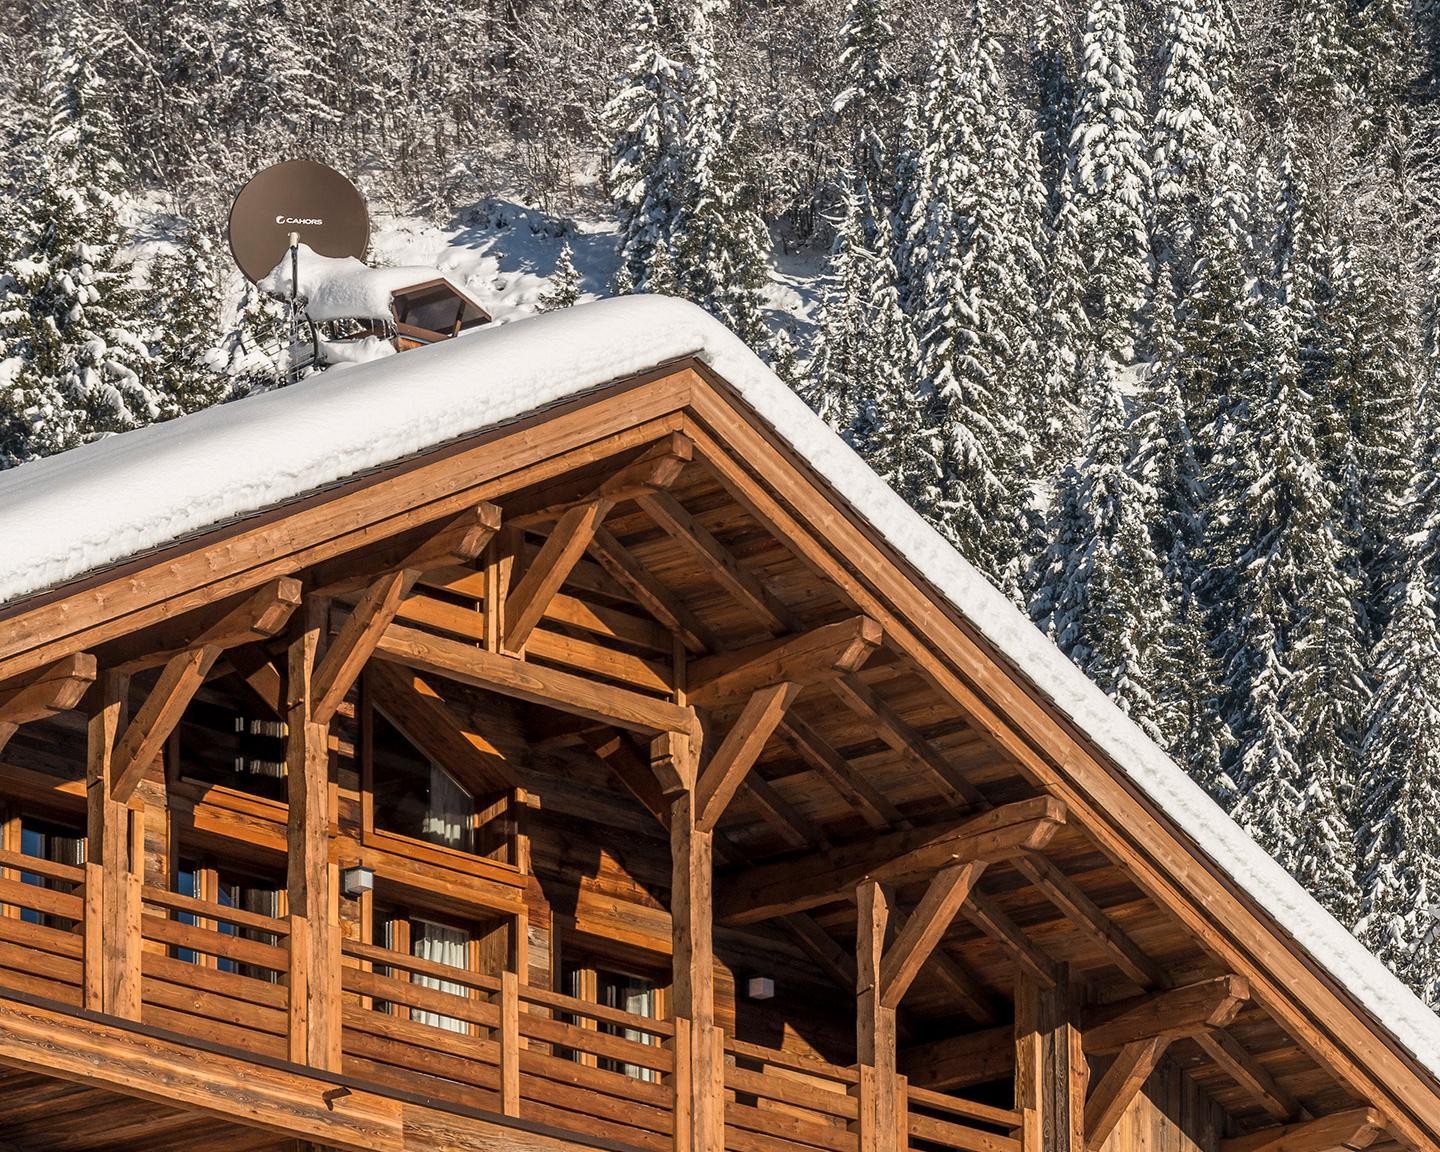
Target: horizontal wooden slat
column 597, row 1043
column 791, row 1129
column 37, row 867
column 939, row 1101
column 796, row 1093
column 562, row 1003
column 217, row 944
column 41, row 937
column 232, row 985
column 421, row 998
column 959, row 1136
column 56, row 903
column 792, row 1061
column 421, row 967
column 207, row 910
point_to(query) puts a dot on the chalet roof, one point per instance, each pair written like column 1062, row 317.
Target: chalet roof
column 112, row 500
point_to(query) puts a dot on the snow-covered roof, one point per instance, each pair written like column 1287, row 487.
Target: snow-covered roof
column 344, row 288
column 106, row 502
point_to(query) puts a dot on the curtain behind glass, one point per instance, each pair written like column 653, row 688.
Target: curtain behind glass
column 450, row 813
column 443, row 945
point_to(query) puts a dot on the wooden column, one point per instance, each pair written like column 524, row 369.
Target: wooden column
column 114, row 862
column 1051, row 1072
column 875, row 1030
column 699, row 1046
column 313, row 880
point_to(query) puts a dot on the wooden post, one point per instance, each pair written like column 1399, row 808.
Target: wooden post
column 313, row 880
column 875, row 1033
column 509, row 1043
column 113, row 864
column 699, row 1066
column 1051, row 1072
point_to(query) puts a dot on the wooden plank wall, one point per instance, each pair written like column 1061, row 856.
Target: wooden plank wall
column 1171, row 1114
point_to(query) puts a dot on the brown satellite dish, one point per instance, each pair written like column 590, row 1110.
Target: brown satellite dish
column 300, row 196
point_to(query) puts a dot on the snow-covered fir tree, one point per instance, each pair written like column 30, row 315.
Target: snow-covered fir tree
column 1107, row 221
column 69, row 321
column 866, row 105
column 1102, row 595
column 565, row 285
column 647, row 174
column 183, row 302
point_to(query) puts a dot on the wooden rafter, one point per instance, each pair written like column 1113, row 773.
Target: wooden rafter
column 777, row 812
column 1233, row 1058
column 902, row 962
column 848, row 782
column 420, row 548
column 1351, row 1129
column 649, row 593
column 261, row 615
column 1114, row 1091
column 952, row 973
column 54, row 689
column 796, row 885
column 631, row 769
column 803, row 658
column 732, row 761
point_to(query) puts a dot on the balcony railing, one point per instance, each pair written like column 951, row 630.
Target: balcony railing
column 222, row 975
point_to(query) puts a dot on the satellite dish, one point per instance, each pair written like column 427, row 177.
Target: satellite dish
column 300, row 196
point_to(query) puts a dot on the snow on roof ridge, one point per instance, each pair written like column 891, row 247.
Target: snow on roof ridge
column 108, row 501
column 344, row 288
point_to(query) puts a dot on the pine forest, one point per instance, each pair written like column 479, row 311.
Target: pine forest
column 1136, row 301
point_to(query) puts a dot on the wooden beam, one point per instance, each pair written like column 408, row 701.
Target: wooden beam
column 700, row 1076
column 498, row 672
column 795, row 885
column 837, row 963
column 259, row 616
column 849, row 783
column 113, row 863
column 147, row 733
column 875, row 1024
column 777, row 812
column 1187, row 1011
column 458, row 542
column 1351, row 1129
column 805, row 658
column 986, row 915
column 1180, row 1012
column 924, row 928
column 414, row 706
column 657, row 467
column 1234, row 1059
column 862, row 700
column 739, row 750
column 351, row 648
column 615, row 749
column 56, row 688
column 1121, row 1083
column 527, row 601
column 313, row 881
column 949, row 970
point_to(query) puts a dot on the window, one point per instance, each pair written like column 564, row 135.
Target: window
column 450, row 944
column 599, row 983
column 58, row 843
column 414, row 796
column 235, row 745
column 231, row 888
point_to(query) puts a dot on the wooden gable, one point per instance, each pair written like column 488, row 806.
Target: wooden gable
column 645, row 621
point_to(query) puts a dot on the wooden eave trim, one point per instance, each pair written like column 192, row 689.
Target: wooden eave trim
column 425, row 488
column 1066, row 762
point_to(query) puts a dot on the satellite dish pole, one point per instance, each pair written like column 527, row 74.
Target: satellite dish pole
column 294, row 367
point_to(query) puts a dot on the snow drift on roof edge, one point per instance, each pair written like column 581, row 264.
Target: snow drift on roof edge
column 108, row 501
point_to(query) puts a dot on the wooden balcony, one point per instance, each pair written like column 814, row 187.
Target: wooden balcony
column 224, row 976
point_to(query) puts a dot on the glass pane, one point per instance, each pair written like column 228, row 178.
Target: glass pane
column 446, row 945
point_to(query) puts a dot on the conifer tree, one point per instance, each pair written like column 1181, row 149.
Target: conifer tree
column 866, row 107
column 647, row 176
column 1103, row 597
column 1108, row 221
column 67, row 312
column 1052, row 71
column 183, row 307
column 565, row 285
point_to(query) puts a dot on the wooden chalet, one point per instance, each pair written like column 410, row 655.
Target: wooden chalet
column 590, row 755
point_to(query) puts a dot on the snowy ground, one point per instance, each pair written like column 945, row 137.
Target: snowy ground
column 505, row 255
